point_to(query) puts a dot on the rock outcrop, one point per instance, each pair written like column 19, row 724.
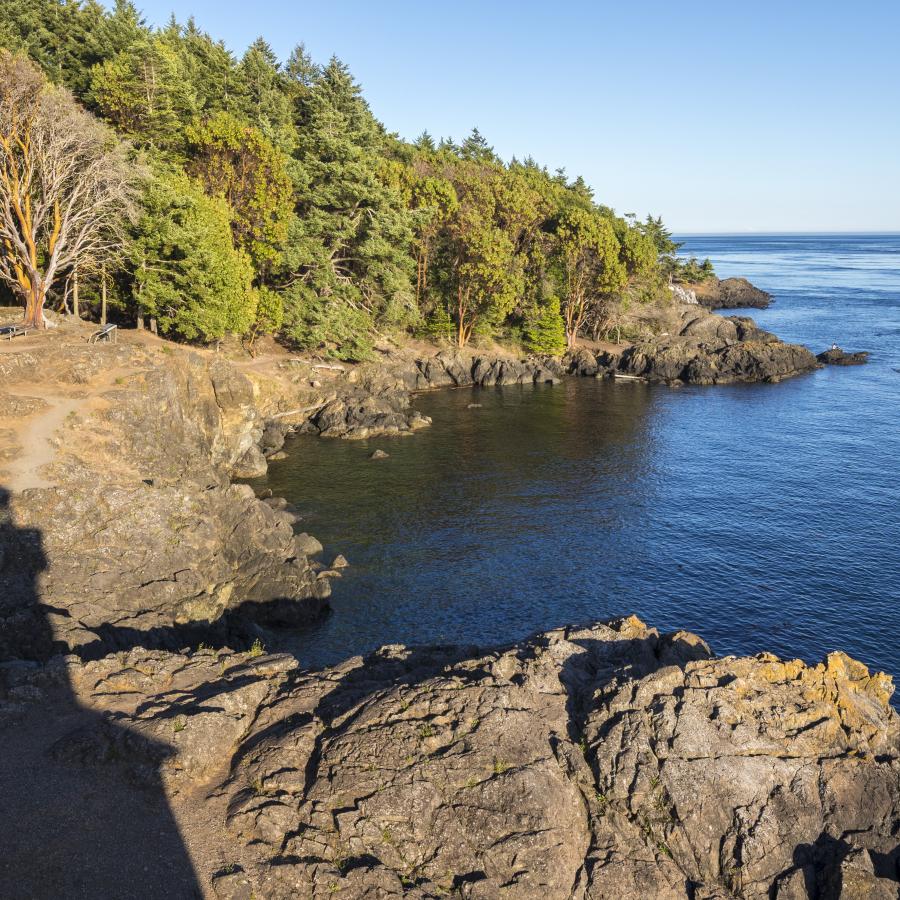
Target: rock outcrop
column 730, row 293
column 599, row 762
column 837, row 357
column 138, row 535
column 701, row 348
column 375, row 399
column 458, row 369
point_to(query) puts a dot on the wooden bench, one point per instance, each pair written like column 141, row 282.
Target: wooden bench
column 11, row 331
column 107, row 333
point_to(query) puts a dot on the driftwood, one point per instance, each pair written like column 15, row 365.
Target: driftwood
column 298, row 412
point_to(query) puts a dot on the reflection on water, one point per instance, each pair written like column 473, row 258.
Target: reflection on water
column 762, row 517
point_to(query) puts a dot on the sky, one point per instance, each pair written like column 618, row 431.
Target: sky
column 718, row 116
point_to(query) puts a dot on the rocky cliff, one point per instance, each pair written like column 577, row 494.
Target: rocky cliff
column 132, row 531
column 601, row 762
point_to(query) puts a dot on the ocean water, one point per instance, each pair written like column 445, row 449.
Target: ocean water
column 763, row 517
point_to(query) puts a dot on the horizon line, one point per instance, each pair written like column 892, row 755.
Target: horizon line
column 686, row 233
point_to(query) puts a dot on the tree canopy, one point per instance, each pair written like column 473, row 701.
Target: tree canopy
column 280, row 204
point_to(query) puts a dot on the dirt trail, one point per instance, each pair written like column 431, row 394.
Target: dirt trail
column 34, row 436
column 37, row 450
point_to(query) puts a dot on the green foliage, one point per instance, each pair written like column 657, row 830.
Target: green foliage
column 262, row 96
column 485, row 272
column 210, row 67
column 333, row 328
column 350, row 242
column 345, row 231
column 144, row 91
column 639, row 253
column 587, row 254
column 64, row 38
column 544, row 330
column 660, row 236
column 187, row 271
column 692, row 271
column 438, row 324
column 236, row 161
column 269, row 312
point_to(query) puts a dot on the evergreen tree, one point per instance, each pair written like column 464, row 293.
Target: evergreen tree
column 210, row 68
column 477, row 149
column 262, row 95
column 544, row 330
column 349, row 246
column 63, row 38
column 187, row 271
column 144, row 92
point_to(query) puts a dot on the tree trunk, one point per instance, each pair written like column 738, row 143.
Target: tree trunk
column 103, row 296
column 420, row 279
column 75, row 308
column 34, row 307
column 462, row 307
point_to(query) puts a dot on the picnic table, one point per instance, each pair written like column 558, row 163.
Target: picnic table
column 11, row 331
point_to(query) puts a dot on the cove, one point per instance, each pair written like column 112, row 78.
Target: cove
column 764, row 517
column 586, row 500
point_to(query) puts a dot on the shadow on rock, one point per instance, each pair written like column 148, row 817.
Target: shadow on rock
column 71, row 830
column 833, row 869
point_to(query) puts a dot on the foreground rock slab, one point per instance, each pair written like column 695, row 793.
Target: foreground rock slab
column 600, row 762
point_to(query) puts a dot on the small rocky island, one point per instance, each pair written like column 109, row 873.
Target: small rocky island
column 837, row 357
column 730, row 293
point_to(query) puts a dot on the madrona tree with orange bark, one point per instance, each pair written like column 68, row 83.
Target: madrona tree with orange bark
column 66, row 186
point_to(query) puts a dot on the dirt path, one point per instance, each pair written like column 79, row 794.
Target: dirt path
column 35, row 435
column 37, row 450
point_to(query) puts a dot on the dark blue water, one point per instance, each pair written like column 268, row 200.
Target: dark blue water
column 763, row 517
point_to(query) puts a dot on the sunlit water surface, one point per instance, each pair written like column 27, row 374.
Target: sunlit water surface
column 763, row 517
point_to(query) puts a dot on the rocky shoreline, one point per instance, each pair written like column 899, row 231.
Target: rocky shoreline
column 155, row 446
column 595, row 762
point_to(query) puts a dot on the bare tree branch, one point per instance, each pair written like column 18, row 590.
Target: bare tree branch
column 67, row 188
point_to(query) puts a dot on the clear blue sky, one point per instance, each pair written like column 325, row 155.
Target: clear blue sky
column 719, row 116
